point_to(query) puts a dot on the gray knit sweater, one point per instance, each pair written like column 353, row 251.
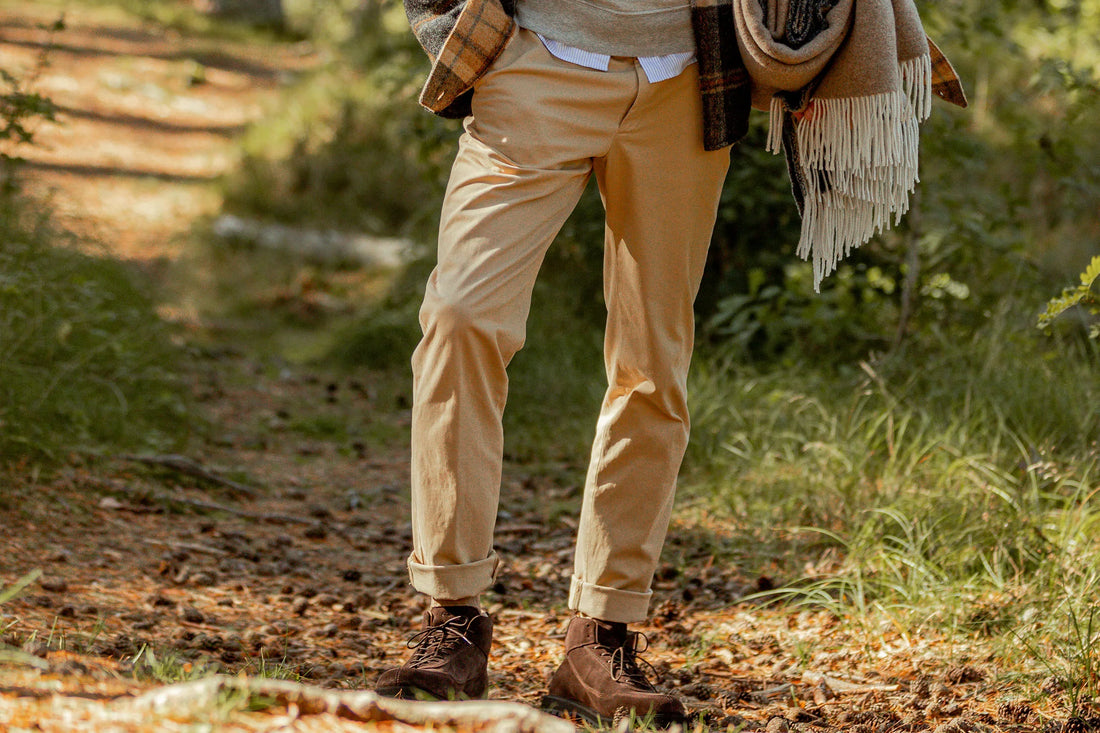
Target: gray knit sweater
column 613, row 27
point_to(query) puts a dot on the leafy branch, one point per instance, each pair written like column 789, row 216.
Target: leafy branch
column 1081, row 295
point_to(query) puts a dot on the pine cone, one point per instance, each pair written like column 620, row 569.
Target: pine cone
column 913, row 722
column 963, row 674
column 777, row 725
column 962, row 725
column 699, row 690
column 1052, row 685
column 730, row 698
column 922, row 686
column 1016, row 711
column 1075, row 725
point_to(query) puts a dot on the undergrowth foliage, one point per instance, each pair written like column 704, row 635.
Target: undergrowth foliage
column 957, row 492
column 353, row 150
column 85, row 363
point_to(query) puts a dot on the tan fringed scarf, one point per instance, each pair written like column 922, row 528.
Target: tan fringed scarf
column 846, row 106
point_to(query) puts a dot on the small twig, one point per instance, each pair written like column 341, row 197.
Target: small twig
column 772, row 692
column 386, row 464
column 193, row 625
column 520, row 528
column 389, row 586
column 190, row 467
column 194, row 547
column 844, row 687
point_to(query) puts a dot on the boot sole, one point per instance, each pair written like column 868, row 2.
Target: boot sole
column 566, row 708
column 416, row 693
column 406, row 693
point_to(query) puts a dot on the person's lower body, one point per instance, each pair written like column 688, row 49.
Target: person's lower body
column 540, row 128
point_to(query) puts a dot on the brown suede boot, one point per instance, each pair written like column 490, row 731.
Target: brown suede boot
column 450, row 661
column 600, row 679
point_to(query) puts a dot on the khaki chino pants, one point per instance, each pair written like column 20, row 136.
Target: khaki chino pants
column 540, row 128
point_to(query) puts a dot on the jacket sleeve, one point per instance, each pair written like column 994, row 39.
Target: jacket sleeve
column 462, row 38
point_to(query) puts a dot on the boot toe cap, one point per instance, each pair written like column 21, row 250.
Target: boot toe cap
column 414, row 683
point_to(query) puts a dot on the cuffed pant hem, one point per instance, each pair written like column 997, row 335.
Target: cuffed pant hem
column 454, row 581
column 608, row 604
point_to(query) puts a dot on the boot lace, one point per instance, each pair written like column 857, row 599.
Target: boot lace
column 626, row 665
column 439, row 643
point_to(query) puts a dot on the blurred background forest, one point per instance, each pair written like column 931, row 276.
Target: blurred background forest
column 909, row 444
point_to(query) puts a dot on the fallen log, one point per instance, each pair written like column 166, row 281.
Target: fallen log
column 293, row 703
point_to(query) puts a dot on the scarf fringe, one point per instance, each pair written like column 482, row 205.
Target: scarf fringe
column 916, row 80
column 775, row 125
column 859, row 160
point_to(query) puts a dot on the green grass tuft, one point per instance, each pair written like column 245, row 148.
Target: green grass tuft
column 85, row 363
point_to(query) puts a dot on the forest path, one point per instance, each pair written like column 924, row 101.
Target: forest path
column 147, row 118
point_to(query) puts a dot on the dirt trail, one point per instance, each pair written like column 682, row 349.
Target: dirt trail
column 146, row 120
column 299, row 573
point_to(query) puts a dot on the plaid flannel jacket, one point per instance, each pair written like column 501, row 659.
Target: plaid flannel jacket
column 463, row 37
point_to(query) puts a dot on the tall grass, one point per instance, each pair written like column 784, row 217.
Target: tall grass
column 955, row 488
column 85, row 363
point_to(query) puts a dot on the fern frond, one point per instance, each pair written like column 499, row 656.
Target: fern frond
column 1070, row 297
